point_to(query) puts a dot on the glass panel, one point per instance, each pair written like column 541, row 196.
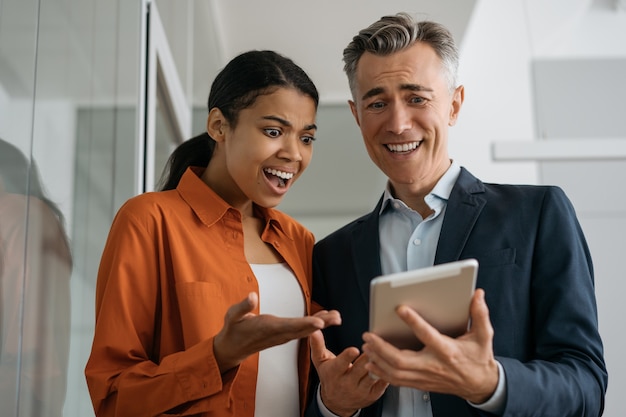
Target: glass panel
column 177, row 19
column 172, row 118
column 69, row 87
column 164, row 143
column 21, row 352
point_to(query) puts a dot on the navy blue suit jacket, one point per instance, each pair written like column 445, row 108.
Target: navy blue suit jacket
column 536, row 270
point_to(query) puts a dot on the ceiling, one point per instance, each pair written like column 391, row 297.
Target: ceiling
column 72, row 46
column 312, row 33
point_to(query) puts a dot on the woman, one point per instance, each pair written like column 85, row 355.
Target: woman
column 197, row 279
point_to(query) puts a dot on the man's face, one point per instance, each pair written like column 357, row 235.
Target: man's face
column 403, row 106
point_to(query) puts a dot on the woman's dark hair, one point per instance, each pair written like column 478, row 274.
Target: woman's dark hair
column 236, row 87
column 21, row 176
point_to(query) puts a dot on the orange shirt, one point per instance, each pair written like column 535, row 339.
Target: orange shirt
column 172, row 265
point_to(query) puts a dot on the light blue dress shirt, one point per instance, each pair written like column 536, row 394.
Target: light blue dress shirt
column 409, row 242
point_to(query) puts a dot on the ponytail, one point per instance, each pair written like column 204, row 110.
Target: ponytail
column 196, row 151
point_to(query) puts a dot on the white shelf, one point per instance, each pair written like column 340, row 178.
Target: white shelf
column 559, row 150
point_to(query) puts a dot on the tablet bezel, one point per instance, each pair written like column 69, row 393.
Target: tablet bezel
column 441, row 294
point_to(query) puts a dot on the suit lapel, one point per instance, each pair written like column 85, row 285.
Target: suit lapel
column 366, row 251
column 462, row 211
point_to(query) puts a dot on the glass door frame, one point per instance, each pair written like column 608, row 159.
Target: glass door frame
column 160, row 83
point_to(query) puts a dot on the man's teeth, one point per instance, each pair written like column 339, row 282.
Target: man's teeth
column 402, row 147
column 279, row 174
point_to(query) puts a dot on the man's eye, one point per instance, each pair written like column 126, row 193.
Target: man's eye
column 377, row 105
column 307, row 140
column 272, row 133
column 417, row 100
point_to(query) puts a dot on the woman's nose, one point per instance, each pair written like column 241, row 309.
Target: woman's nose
column 290, row 149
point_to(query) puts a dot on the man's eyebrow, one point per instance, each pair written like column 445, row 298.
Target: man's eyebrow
column 284, row 122
column 379, row 90
column 415, row 87
column 373, row 92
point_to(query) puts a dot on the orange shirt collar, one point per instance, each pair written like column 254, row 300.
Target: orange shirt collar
column 210, row 207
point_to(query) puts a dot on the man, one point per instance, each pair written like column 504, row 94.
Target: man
column 533, row 348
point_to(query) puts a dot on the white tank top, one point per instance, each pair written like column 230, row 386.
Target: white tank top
column 277, row 388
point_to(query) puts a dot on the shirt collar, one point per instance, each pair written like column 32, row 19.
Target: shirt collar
column 209, row 206
column 442, row 189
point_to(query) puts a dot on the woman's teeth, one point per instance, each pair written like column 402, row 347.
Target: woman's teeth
column 402, row 147
column 280, row 176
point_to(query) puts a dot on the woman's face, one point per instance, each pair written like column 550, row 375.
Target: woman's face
column 260, row 158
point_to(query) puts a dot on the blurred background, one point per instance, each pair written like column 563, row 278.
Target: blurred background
column 94, row 95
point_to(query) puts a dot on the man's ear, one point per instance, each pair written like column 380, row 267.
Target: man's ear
column 455, row 107
column 216, row 125
column 354, row 112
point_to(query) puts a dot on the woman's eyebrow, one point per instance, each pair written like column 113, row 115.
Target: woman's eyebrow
column 284, row 122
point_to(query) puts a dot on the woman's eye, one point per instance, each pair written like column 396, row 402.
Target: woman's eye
column 307, row 140
column 272, row 133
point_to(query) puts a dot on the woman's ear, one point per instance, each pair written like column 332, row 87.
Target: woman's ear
column 216, row 125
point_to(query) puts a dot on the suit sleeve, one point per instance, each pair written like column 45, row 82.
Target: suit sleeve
column 567, row 374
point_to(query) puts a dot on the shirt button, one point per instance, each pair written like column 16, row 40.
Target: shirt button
column 249, row 279
column 417, row 242
column 276, row 244
column 426, row 397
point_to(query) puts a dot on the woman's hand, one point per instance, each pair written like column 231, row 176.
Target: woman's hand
column 245, row 333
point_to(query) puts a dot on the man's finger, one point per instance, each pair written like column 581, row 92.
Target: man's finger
column 426, row 333
column 319, row 353
column 481, row 324
column 345, row 358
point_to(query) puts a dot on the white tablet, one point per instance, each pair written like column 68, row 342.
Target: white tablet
column 441, row 294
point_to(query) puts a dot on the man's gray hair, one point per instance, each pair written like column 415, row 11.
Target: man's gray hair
column 398, row 32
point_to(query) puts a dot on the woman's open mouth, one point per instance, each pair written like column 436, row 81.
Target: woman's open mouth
column 278, row 178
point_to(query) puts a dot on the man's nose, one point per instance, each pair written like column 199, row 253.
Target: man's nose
column 399, row 119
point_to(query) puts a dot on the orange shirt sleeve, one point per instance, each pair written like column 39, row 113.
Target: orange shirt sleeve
column 125, row 374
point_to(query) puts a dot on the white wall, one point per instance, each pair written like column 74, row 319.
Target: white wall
column 502, row 40
column 495, row 71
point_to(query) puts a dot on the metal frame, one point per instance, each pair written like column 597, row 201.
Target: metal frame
column 159, row 80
